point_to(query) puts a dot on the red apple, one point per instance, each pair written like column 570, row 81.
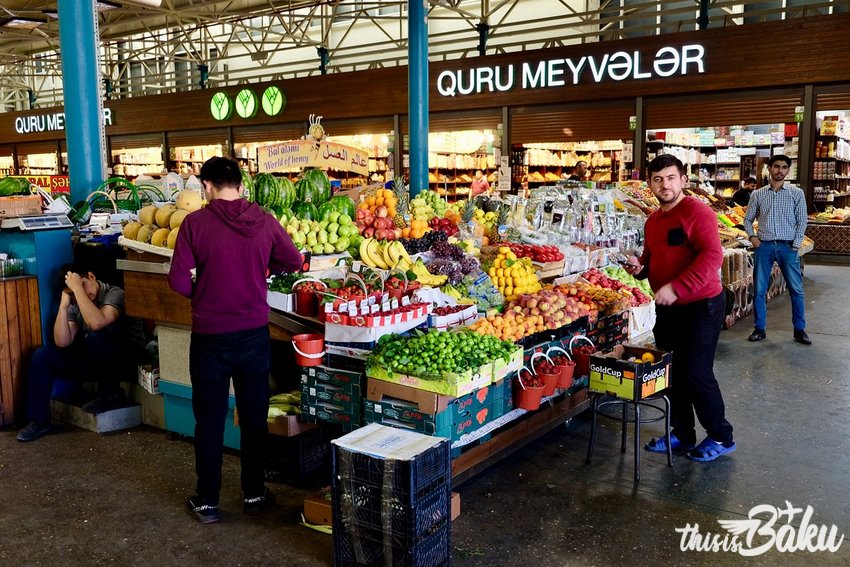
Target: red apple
column 381, row 211
column 369, row 232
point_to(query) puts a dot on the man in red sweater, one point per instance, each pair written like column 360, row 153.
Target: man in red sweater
column 231, row 243
column 682, row 258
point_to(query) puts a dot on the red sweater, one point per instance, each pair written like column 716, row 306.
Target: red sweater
column 683, row 247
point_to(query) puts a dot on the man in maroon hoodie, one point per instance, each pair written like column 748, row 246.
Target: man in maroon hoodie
column 682, row 258
column 231, row 243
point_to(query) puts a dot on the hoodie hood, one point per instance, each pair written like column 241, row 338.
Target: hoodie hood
column 244, row 217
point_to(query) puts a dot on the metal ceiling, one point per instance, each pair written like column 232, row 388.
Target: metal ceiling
column 181, row 43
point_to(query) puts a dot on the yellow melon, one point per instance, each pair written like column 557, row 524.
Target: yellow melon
column 145, row 233
column 189, row 200
column 172, row 238
column 160, row 237
column 147, row 214
column 163, row 215
column 177, row 218
column 131, row 229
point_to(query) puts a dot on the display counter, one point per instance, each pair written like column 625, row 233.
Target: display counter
column 830, row 238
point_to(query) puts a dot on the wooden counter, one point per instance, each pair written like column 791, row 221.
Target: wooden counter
column 147, row 295
column 20, row 335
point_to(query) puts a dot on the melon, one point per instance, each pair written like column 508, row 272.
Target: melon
column 177, row 219
column 147, row 214
column 287, row 192
column 247, row 186
column 266, row 189
column 172, row 238
column 163, row 215
column 306, row 211
column 189, row 200
column 308, row 192
column 145, row 233
column 320, row 179
column 160, row 237
column 131, row 229
column 344, row 205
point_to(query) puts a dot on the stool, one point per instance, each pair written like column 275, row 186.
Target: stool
column 597, row 405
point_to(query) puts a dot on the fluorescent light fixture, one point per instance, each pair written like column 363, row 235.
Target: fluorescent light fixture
column 106, row 5
column 51, row 13
column 22, row 23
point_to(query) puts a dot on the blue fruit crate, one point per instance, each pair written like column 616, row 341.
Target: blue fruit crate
column 179, row 417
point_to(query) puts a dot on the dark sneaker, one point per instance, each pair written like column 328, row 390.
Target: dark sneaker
column 802, row 338
column 204, row 513
column 259, row 504
column 106, row 403
column 757, row 335
column 35, row 430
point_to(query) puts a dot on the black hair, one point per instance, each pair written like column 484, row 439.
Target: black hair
column 78, row 268
column 581, row 161
column 663, row 162
column 221, row 173
column 779, row 157
column 751, row 179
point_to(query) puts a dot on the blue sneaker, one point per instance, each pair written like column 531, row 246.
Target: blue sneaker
column 659, row 445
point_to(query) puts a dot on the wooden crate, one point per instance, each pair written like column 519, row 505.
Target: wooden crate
column 20, row 335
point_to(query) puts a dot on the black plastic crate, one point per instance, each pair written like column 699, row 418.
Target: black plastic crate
column 411, row 480
column 363, row 547
column 365, row 506
column 302, row 460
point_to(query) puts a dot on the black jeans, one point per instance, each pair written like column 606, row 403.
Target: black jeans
column 691, row 331
column 213, row 360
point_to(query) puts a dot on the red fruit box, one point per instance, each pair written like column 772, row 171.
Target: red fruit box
column 444, row 322
column 399, row 316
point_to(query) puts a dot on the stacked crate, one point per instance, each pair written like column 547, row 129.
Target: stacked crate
column 391, row 498
column 332, row 395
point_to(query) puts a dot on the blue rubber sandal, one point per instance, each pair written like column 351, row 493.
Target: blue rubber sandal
column 709, row 450
column 659, row 445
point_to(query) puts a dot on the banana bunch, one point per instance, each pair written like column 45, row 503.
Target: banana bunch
column 386, row 255
column 425, row 277
column 288, row 403
column 452, row 291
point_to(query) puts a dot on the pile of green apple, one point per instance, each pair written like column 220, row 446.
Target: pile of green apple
column 334, row 234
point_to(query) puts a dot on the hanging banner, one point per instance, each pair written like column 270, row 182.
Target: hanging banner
column 51, row 183
column 299, row 154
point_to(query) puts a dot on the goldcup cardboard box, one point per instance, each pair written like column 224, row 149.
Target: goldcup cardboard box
column 611, row 373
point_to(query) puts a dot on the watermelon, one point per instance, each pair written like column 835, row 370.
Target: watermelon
column 306, row 211
column 287, row 191
column 247, row 185
column 320, row 179
column 344, row 205
column 325, row 209
column 307, row 192
column 266, row 190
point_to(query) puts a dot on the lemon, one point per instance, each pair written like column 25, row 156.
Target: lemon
column 647, row 357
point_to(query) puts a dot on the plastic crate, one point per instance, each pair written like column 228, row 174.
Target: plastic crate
column 366, row 548
column 364, row 507
column 411, row 480
column 303, row 459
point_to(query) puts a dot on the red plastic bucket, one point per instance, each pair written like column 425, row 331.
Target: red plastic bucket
column 306, row 303
column 309, row 349
column 567, row 371
column 528, row 398
column 550, row 382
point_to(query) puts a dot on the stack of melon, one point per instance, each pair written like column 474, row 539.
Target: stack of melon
column 159, row 226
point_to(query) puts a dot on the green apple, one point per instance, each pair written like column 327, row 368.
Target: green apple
column 329, row 248
column 342, row 244
column 332, row 238
column 318, row 249
column 344, row 220
column 333, row 228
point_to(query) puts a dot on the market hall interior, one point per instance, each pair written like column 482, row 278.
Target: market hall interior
column 79, row 498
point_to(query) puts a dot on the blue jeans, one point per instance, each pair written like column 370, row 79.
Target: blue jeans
column 789, row 263
column 691, row 332
column 213, row 360
column 95, row 355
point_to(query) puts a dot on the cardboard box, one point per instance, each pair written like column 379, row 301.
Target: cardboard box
column 283, row 425
column 427, row 412
column 344, row 379
column 641, row 319
column 348, row 399
column 281, row 301
column 318, row 511
column 19, row 205
column 149, row 378
column 611, row 374
column 455, row 505
column 451, row 384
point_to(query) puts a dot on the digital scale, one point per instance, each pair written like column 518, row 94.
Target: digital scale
column 36, row 222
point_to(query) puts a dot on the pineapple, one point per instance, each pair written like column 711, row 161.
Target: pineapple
column 467, row 212
column 501, row 219
column 402, row 206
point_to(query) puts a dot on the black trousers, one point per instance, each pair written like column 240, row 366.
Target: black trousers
column 213, row 360
column 691, row 331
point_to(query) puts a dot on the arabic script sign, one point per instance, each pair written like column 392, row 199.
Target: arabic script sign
column 304, row 153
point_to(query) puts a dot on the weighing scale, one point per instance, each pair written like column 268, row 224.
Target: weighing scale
column 36, row 222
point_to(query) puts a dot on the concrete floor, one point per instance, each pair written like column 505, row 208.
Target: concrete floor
column 79, row 498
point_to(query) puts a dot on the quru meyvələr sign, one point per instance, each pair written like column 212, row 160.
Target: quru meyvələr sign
column 297, row 154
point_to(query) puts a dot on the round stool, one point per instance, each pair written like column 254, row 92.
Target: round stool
column 600, row 402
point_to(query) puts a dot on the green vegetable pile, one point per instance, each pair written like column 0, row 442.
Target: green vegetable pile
column 284, row 282
column 434, row 353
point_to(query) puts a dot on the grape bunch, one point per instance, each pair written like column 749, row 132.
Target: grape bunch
column 454, row 269
column 416, row 245
column 446, row 250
